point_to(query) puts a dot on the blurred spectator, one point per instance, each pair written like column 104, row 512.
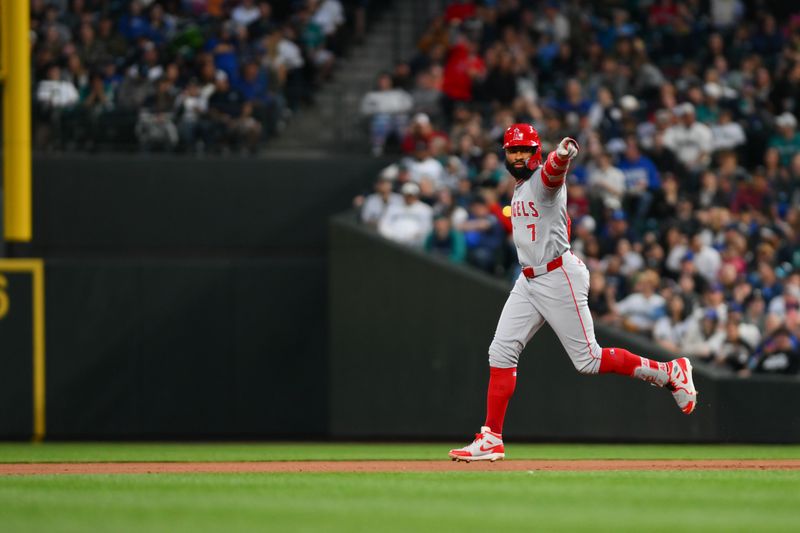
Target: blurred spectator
column 554, row 25
column 155, row 128
column 54, row 98
column 409, row 222
column 463, row 69
column 446, row 206
column 787, row 139
column 446, row 241
column 670, row 329
column 703, row 337
column 691, row 141
column 253, row 85
column 706, row 259
column 54, row 93
column 426, row 93
column 374, row 206
column 232, row 125
column 422, row 166
column 640, row 310
column 284, row 59
column 601, row 296
column 459, row 11
column 727, row 134
column 484, row 236
column 641, row 176
column 789, row 300
column 420, row 131
column 263, row 24
column 388, row 109
column 632, row 260
column 190, row 106
column 735, row 350
column 607, row 182
column 616, row 230
column 328, row 15
column 245, row 13
column 779, row 353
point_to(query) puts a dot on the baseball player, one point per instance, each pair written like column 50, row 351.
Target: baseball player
column 553, row 287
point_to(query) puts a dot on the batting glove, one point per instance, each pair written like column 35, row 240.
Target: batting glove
column 568, row 148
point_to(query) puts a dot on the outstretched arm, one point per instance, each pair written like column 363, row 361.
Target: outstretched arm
column 555, row 168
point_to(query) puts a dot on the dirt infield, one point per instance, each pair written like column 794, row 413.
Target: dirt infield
column 23, row 469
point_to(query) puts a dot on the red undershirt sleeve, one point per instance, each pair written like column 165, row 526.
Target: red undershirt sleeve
column 554, row 171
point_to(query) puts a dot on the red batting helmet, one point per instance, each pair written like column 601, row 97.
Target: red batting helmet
column 524, row 135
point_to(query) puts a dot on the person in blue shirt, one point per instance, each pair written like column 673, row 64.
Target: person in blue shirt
column 574, row 102
column 484, row 235
column 641, row 179
column 134, row 24
column 253, row 85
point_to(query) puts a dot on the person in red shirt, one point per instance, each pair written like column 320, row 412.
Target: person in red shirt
column 464, row 66
column 420, row 130
column 460, row 10
column 663, row 12
column 754, row 195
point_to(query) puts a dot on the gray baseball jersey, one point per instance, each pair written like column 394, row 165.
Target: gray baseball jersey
column 540, row 221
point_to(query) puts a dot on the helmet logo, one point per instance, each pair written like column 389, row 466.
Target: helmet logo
column 517, row 134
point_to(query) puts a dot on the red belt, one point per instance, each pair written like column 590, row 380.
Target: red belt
column 531, row 272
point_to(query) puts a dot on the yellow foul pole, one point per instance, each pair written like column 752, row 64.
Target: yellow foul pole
column 17, row 212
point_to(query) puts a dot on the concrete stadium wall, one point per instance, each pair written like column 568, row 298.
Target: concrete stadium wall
column 409, row 335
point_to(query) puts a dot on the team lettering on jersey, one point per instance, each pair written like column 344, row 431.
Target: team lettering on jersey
column 518, row 209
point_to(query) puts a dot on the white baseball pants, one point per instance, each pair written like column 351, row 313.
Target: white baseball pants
column 560, row 298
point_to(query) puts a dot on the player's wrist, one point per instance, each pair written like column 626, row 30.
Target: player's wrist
column 560, row 160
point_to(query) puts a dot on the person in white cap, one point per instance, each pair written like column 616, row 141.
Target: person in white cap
column 787, row 139
column 377, row 203
column 420, row 130
column 691, row 141
column 408, row 222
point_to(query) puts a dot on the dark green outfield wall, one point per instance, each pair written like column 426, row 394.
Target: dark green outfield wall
column 184, row 297
column 188, row 348
column 207, row 207
column 16, row 354
column 409, row 335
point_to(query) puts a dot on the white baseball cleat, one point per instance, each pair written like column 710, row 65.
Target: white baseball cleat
column 681, row 384
column 487, row 446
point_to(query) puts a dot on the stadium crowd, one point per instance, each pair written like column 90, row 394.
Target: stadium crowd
column 178, row 75
column 685, row 198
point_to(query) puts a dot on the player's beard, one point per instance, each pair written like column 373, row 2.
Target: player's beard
column 519, row 173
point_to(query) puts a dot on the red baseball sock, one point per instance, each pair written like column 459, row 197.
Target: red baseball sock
column 621, row 361
column 502, row 382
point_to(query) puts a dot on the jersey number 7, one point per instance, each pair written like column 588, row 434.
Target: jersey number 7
column 532, row 227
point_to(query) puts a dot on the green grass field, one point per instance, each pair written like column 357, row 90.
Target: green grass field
column 747, row 500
